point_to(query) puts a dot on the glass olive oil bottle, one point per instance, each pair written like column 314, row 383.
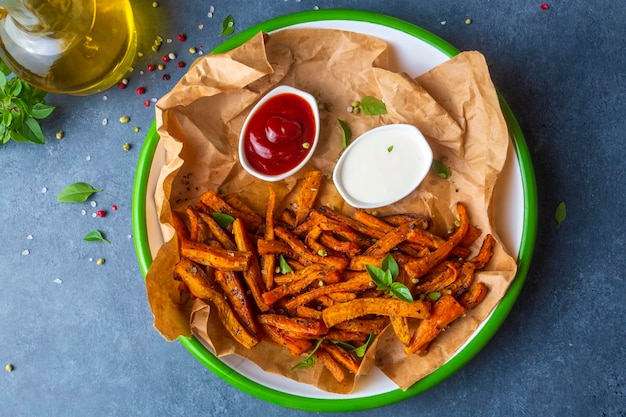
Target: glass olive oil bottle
column 76, row 47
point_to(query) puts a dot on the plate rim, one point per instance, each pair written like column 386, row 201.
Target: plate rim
column 480, row 339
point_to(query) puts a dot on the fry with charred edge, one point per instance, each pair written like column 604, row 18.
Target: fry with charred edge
column 236, row 295
column 419, row 267
column 215, row 203
column 342, row 357
column 464, row 280
column 180, row 227
column 274, row 247
column 308, row 312
column 485, row 253
column 301, row 280
column 349, row 221
column 329, row 363
column 297, row 327
column 439, row 278
column 443, row 312
column 268, row 262
column 296, row 346
column 360, row 283
column 393, row 238
column 252, row 274
column 474, row 296
column 223, row 259
column 199, row 286
column 304, row 255
column 472, row 234
column 218, row 232
column 401, row 329
column 378, row 306
column 235, row 202
column 345, row 336
column 194, row 224
column 363, row 326
column 398, row 219
column 307, row 195
column 334, row 244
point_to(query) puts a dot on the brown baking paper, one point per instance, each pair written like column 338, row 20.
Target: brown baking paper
column 454, row 105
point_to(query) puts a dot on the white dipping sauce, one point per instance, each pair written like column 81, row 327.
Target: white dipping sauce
column 383, row 166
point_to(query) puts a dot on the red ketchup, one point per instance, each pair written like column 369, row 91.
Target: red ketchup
column 280, row 134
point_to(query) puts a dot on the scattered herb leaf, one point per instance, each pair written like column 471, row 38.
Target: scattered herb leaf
column 441, row 169
column 389, row 149
column 77, row 192
column 384, row 279
column 346, row 134
column 95, row 236
column 284, row 266
column 360, row 351
column 372, row 106
column 309, row 361
column 222, row 219
column 560, row 213
column 228, row 25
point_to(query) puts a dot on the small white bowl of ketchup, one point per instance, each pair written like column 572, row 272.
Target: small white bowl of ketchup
column 280, row 134
column 382, row 166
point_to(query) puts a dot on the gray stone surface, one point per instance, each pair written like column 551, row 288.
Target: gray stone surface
column 80, row 335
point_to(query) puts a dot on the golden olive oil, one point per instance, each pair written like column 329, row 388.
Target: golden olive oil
column 74, row 47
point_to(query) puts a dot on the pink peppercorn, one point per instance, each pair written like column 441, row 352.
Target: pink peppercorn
column 544, row 6
column 121, row 85
column 114, row 207
column 151, row 67
column 146, row 103
column 165, row 77
column 101, row 213
column 165, row 58
column 182, row 37
column 180, row 64
column 140, row 90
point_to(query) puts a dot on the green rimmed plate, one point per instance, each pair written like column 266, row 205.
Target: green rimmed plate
column 414, row 51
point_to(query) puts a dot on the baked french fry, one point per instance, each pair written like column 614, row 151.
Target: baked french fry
column 342, row 356
column 307, row 195
column 463, row 281
column 378, row 306
column 236, row 295
column 194, row 277
column 329, row 363
column 295, row 346
column 485, row 253
column 363, row 326
column 218, row 232
column 357, row 284
column 401, row 329
column 391, row 239
column 217, row 204
column 398, row 219
column 439, row 278
column 252, row 274
column 421, row 266
column 268, row 262
column 300, row 280
column 296, row 327
column 443, row 312
column 180, row 228
column 223, row 259
column 474, row 296
column 304, row 255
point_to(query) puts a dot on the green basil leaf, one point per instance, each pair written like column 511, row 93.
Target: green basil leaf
column 560, row 213
column 390, row 264
column 360, row 351
column 41, row 111
column 3, row 80
column 401, row 292
column 284, row 266
column 310, row 359
column 4, row 68
column 228, row 25
column 346, row 134
column 33, row 126
column 222, row 219
column 378, row 276
column 372, row 106
column 76, row 193
column 95, row 236
column 441, row 170
column 18, row 136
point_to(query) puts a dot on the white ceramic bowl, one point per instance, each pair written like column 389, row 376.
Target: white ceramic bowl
column 382, row 166
column 283, row 89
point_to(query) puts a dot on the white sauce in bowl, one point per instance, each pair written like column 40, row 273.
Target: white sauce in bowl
column 383, row 166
